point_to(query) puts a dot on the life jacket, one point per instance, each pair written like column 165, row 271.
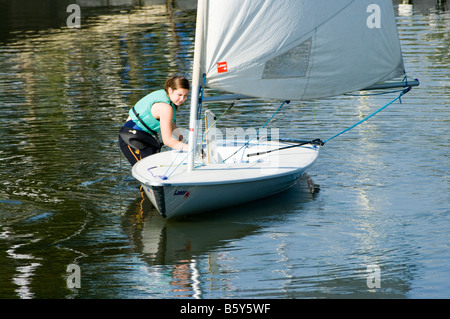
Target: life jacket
column 142, row 109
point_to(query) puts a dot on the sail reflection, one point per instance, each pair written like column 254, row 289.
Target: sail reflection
column 26, row 263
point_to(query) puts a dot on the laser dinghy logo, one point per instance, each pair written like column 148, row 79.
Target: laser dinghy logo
column 181, row 193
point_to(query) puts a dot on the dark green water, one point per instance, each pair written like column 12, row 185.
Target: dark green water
column 67, row 195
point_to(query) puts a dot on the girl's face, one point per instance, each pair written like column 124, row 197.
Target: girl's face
column 178, row 96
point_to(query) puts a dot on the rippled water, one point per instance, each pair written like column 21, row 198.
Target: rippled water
column 67, row 196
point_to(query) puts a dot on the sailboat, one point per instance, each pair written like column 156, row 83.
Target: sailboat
column 273, row 49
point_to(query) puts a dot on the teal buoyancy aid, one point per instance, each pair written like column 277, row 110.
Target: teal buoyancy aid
column 143, row 109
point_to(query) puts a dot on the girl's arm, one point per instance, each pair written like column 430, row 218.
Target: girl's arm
column 164, row 113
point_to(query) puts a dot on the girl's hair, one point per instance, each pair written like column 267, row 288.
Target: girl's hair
column 175, row 83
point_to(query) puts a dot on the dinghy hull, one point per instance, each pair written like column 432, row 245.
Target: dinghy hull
column 177, row 201
column 214, row 186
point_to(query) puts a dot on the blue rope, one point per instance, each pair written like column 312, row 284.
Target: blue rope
column 200, row 102
column 403, row 92
column 317, row 141
column 165, row 176
column 179, row 164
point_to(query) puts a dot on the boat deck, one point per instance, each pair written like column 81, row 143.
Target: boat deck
column 169, row 168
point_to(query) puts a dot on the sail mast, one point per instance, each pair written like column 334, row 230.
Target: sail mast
column 196, row 82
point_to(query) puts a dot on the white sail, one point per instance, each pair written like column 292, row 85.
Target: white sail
column 299, row 49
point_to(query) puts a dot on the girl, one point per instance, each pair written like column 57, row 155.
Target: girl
column 153, row 114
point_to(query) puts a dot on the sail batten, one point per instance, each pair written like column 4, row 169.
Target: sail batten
column 299, row 49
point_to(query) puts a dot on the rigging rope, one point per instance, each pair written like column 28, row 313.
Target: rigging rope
column 403, row 92
column 247, row 143
column 315, row 141
column 203, row 139
column 321, row 143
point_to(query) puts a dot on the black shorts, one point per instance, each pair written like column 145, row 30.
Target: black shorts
column 137, row 144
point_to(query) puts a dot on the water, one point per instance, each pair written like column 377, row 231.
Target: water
column 67, row 196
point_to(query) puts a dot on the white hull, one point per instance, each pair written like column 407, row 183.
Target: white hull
column 213, row 186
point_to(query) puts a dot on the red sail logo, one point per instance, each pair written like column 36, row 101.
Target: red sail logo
column 222, row 67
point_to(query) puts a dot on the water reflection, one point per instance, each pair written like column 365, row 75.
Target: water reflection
column 65, row 93
column 60, row 88
column 27, row 264
column 186, row 244
column 20, row 16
